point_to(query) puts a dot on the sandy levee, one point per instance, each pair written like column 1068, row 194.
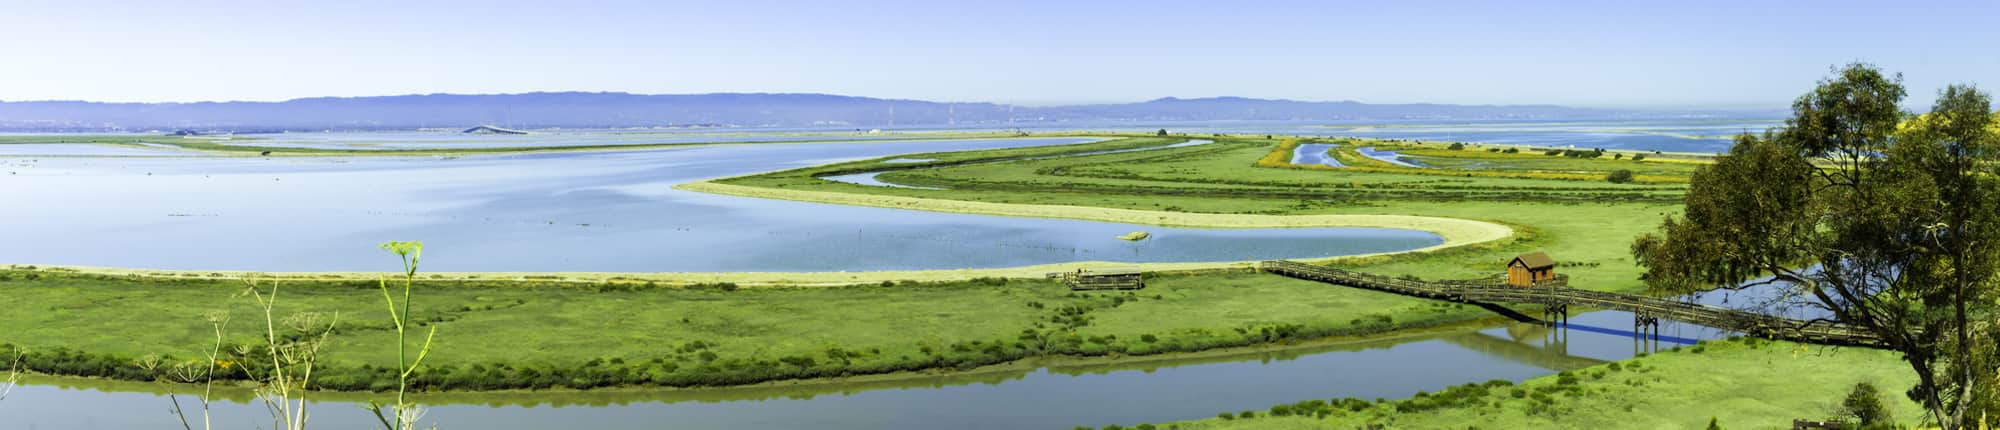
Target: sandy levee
column 1454, row 231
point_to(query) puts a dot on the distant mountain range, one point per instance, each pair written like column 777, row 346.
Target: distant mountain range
column 621, row 110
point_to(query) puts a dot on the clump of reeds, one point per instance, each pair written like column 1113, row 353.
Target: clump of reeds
column 282, row 366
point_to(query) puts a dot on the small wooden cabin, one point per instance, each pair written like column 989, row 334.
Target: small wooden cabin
column 1531, row 269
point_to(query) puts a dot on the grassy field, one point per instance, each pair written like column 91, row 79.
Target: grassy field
column 1743, row 384
column 1226, row 169
column 1577, row 164
column 1586, row 224
column 586, row 336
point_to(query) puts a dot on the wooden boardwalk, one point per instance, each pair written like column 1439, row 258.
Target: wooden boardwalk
column 1557, row 295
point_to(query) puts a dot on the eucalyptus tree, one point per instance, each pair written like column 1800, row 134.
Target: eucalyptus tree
column 1889, row 221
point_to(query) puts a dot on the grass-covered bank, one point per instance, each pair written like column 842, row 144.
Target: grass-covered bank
column 506, row 335
column 1456, row 232
column 1742, row 384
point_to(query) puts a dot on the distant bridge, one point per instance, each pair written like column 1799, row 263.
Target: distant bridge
column 488, row 129
column 1556, row 298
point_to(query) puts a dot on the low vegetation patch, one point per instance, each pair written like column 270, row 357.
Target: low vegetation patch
column 1745, row 383
column 515, row 335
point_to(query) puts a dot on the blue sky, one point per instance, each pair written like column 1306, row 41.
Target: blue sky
column 1614, row 54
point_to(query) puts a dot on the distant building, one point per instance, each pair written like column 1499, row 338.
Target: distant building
column 1531, row 269
column 487, row 129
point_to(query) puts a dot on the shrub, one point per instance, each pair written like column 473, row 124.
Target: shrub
column 1620, row 176
column 1456, row 146
column 1576, row 153
column 1864, row 403
column 1512, row 151
column 1637, row 157
column 1712, row 425
column 717, row 286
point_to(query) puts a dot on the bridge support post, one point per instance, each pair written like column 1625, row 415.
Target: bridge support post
column 1555, row 315
column 1645, row 326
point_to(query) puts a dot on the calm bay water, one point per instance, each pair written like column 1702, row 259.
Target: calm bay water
column 599, row 211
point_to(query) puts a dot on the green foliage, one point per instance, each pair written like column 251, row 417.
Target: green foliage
column 1864, row 404
column 1901, row 223
column 1713, row 424
column 1620, row 176
column 1456, row 146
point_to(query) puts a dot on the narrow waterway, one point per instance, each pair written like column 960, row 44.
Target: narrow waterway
column 1315, row 153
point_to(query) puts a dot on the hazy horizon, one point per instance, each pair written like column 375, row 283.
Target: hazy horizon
column 1030, row 105
column 1717, row 55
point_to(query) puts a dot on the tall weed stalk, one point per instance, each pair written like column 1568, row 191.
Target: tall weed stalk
column 404, row 415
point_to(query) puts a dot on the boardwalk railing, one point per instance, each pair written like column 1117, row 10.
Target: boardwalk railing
column 1557, row 294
